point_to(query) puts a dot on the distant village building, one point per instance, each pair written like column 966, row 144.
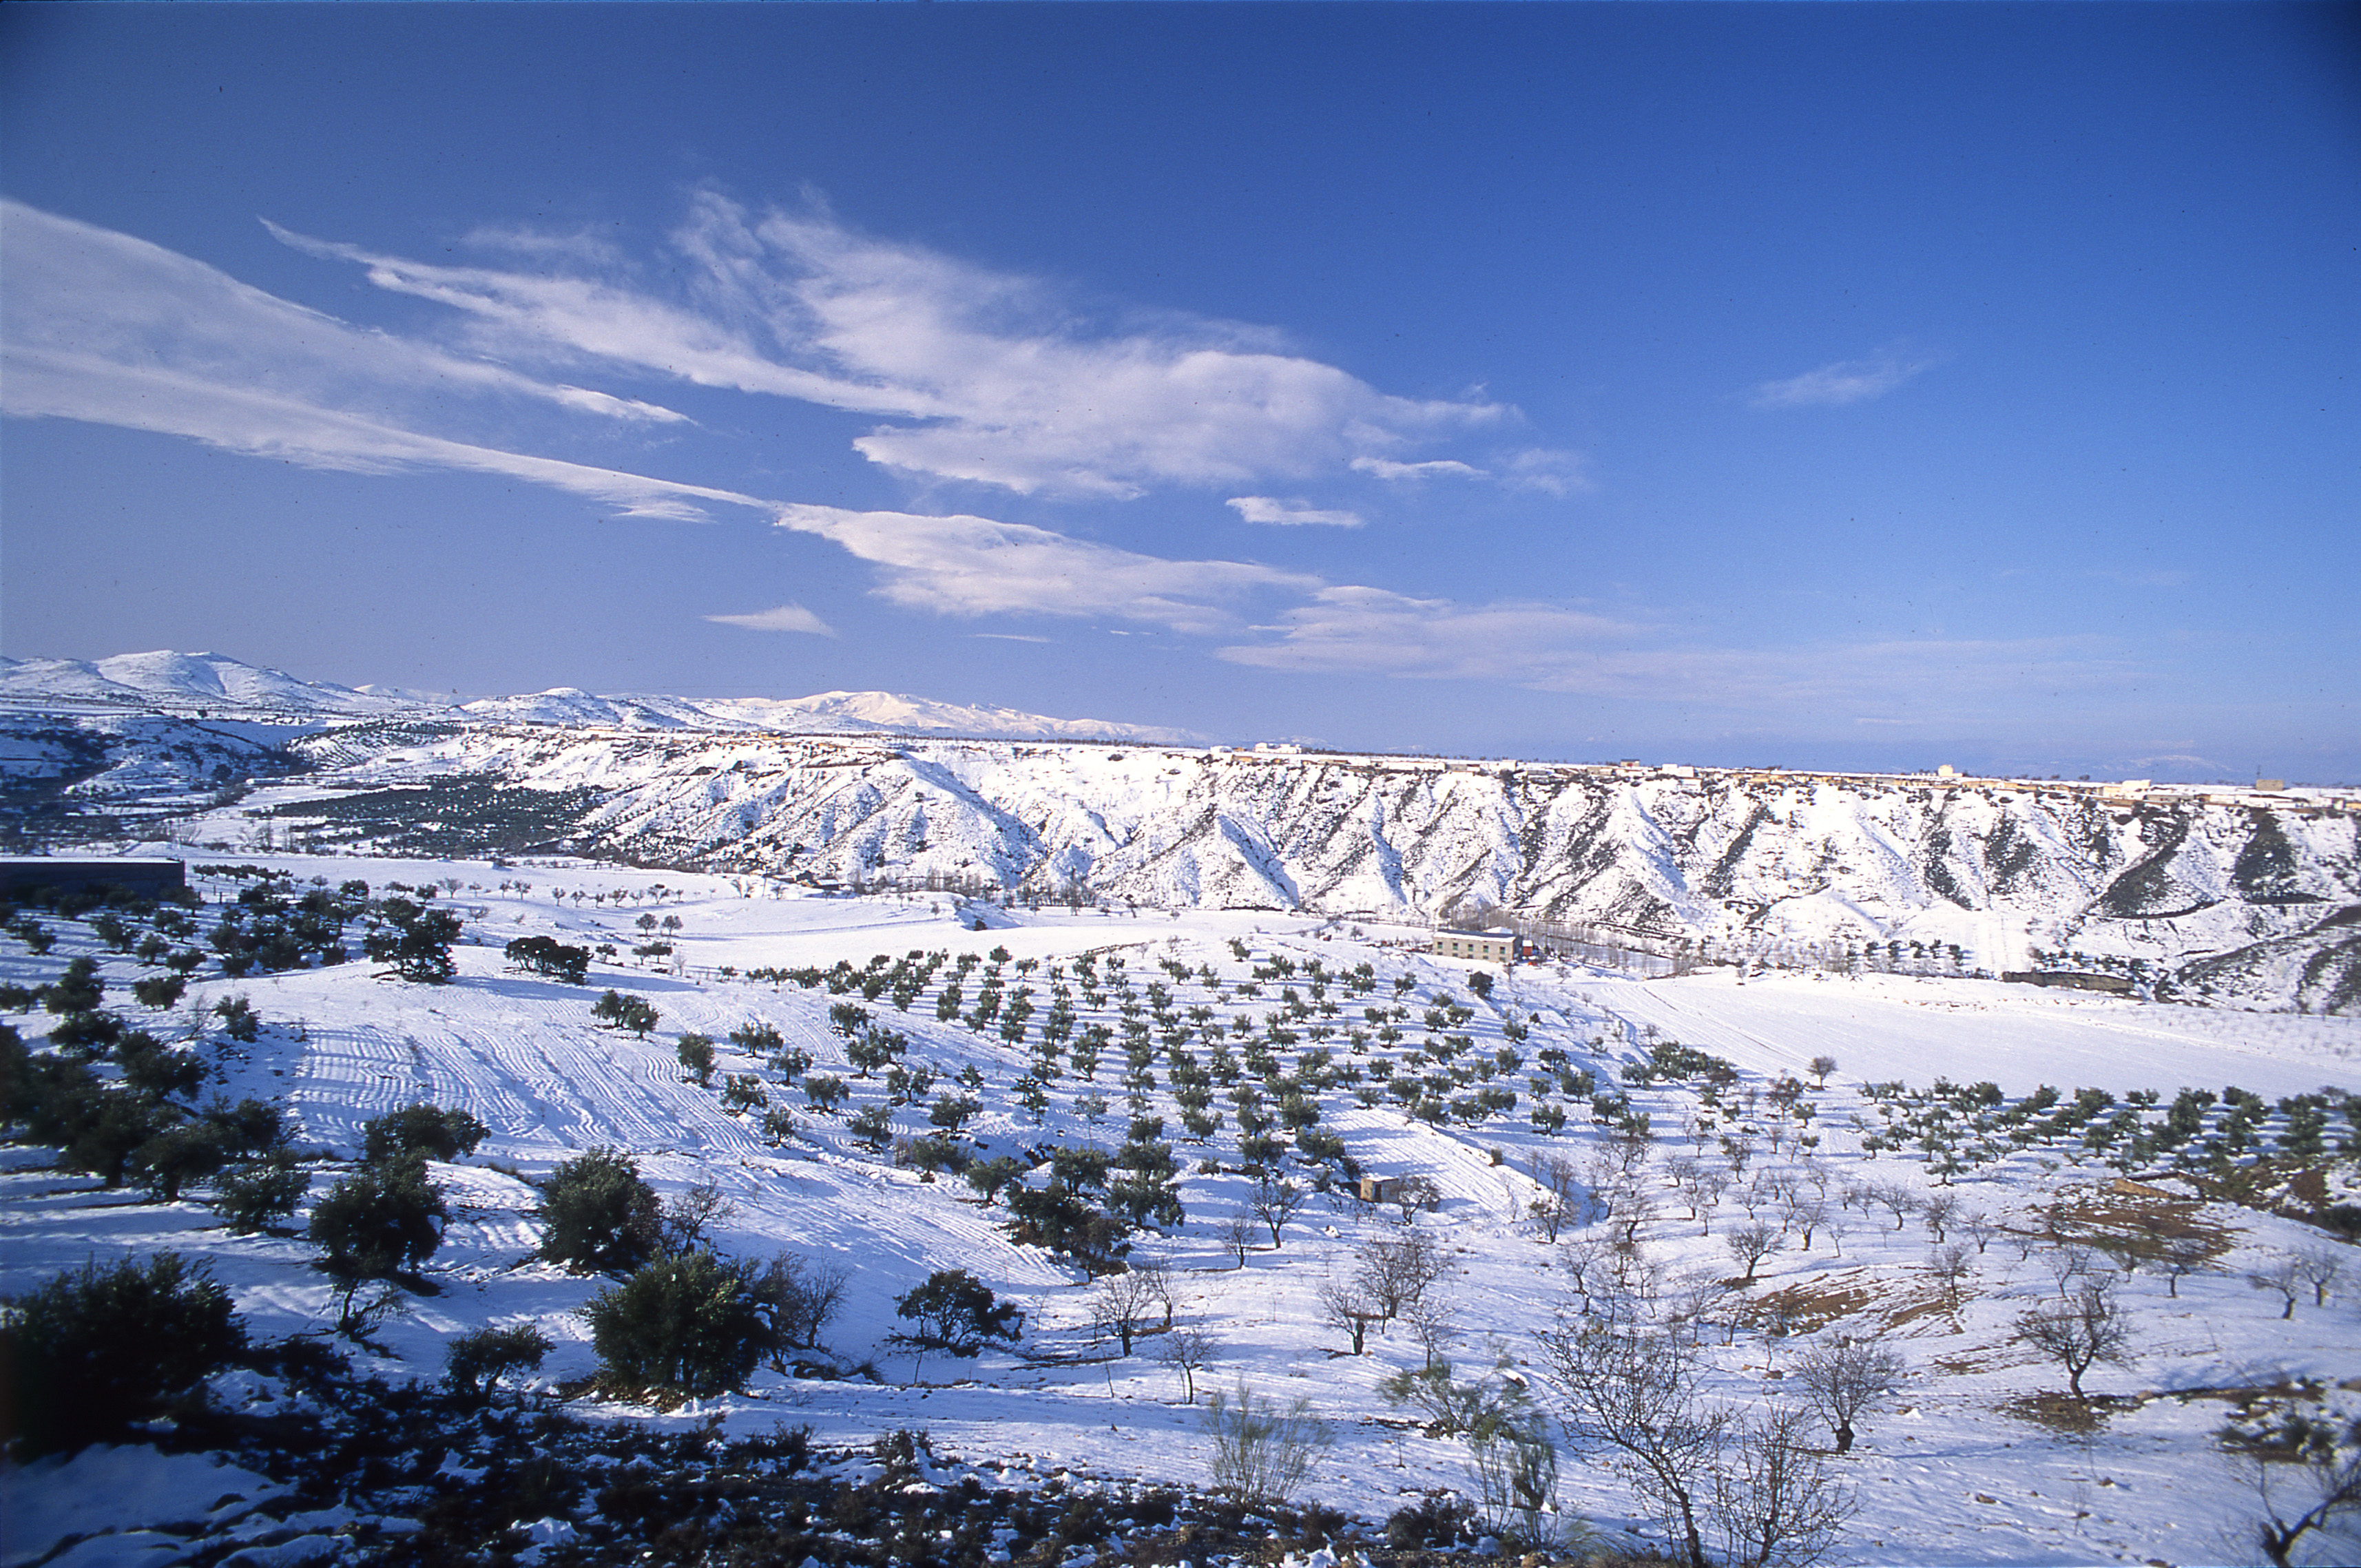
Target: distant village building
column 2270, row 786
column 1495, row 947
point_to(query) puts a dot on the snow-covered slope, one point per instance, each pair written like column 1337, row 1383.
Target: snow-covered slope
column 2251, row 900
column 181, row 684
column 1757, row 862
column 176, row 683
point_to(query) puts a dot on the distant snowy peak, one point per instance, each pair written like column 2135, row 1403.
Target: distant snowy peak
column 893, row 712
column 829, row 713
column 226, row 687
column 572, row 707
column 178, row 682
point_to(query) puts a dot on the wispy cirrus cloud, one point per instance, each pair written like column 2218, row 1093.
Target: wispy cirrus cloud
column 1843, row 381
column 995, row 378
column 1290, row 514
column 1348, row 629
column 79, row 292
column 788, row 617
column 1435, row 468
column 99, row 326
column 967, row 565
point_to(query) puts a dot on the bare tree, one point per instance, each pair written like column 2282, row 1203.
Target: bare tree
column 1774, row 1503
column 1185, row 1351
column 2085, row 1328
column 1237, row 1234
column 2070, row 1261
column 2321, row 1268
column 2328, row 1466
column 688, row 1218
column 1276, row 1202
column 1563, row 1199
column 1821, row 1067
column 1897, row 1198
column 1938, row 1209
column 1586, row 1260
column 1413, row 1193
column 1343, row 1306
column 1950, row 1264
column 1980, row 1228
column 1847, row 1380
column 1394, row 1275
column 1836, row 1223
column 1122, row 1303
column 1750, row 1244
column 1432, row 1325
column 2283, row 1275
column 1804, row 1213
column 1631, row 1397
column 2180, row 1257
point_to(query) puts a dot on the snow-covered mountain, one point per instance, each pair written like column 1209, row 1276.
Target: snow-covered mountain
column 2255, row 899
column 186, row 685
column 829, row 713
column 181, row 682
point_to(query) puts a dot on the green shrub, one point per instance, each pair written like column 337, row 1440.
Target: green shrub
column 97, row 1349
column 601, row 1218
column 954, row 1312
column 479, row 1358
column 380, row 1220
column 688, row 1325
column 423, row 1131
column 260, row 1193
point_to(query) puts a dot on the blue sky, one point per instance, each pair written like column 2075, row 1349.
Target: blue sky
column 1845, row 385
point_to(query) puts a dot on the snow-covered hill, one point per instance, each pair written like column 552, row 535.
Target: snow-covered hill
column 217, row 687
column 182, row 682
column 1756, row 862
column 2249, row 899
column 1845, row 1177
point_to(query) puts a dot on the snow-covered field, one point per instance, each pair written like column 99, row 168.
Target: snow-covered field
column 1948, row 1475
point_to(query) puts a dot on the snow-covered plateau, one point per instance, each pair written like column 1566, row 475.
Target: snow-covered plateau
column 2241, row 897
column 1213, row 969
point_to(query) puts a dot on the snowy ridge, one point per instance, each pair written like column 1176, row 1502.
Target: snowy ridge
column 1998, row 869
column 220, row 686
column 168, row 682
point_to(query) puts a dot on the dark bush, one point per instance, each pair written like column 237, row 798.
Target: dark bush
column 600, row 1217
column 479, row 1358
column 799, row 1297
column 150, row 1064
column 687, row 1324
column 381, row 1220
column 96, row 1349
column 423, row 1132
column 261, row 1192
column 954, row 1312
column 178, row 1156
column 159, row 991
column 78, row 990
column 88, row 1033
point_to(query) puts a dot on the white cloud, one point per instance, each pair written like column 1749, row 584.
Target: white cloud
column 1263, row 509
column 1548, row 470
column 974, row 566
column 1000, row 381
column 39, row 383
column 77, row 292
column 785, row 618
column 1845, row 381
column 1363, row 630
column 1439, row 468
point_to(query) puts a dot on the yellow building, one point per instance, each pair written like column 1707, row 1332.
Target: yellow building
column 1484, row 946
